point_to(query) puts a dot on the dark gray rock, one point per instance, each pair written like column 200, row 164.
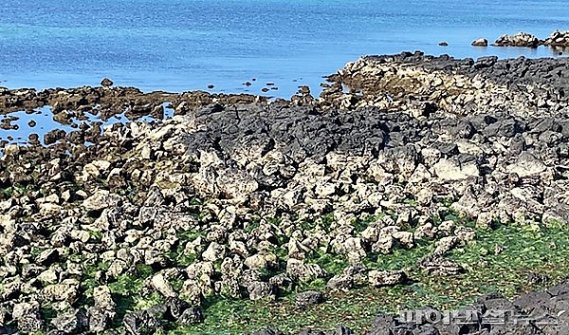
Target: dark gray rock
column 308, row 298
column 66, row 323
column 140, row 323
column 311, row 332
column 191, row 315
column 176, row 307
column 106, row 82
column 341, row 330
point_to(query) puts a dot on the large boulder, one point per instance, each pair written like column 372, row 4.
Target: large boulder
column 386, row 278
column 308, row 298
column 449, row 170
column 481, row 42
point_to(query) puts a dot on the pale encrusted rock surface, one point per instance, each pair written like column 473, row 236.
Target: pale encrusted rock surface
column 241, row 197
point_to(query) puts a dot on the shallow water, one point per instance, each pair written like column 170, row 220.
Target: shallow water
column 180, row 45
column 44, row 122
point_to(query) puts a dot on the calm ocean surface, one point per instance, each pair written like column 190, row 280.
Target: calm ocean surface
column 180, row 45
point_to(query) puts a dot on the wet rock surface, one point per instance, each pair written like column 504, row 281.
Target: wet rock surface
column 238, row 196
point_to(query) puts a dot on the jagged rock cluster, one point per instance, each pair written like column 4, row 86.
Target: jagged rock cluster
column 414, row 83
column 87, row 109
column 245, row 198
column 557, row 39
column 518, row 40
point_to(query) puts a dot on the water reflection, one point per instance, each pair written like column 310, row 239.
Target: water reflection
column 41, row 120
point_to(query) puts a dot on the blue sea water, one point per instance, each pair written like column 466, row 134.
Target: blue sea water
column 180, row 45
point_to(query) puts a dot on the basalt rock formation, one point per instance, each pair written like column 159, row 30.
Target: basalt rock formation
column 235, row 195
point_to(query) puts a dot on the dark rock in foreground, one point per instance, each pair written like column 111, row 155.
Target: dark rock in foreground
column 544, row 312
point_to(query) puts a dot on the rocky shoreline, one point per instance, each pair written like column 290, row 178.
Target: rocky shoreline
column 132, row 228
column 558, row 40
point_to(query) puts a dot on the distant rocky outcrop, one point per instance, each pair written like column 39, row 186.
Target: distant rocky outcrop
column 558, row 39
column 518, row 40
column 480, row 42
